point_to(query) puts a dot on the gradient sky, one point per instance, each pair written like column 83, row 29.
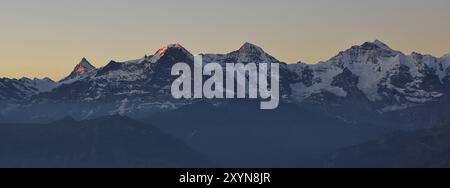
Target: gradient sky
column 40, row 38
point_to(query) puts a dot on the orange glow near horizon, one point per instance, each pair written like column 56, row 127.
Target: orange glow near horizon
column 48, row 38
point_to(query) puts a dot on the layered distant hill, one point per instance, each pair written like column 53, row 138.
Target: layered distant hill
column 110, row 141
column 423, row 148
column 366, row 83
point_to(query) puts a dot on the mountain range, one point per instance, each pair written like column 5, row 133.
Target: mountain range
column 363, row 84
column 343, row 108
column 110, row 141
column 422, row 148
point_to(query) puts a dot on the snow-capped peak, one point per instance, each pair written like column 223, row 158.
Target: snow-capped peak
column 83, row 67
column 164, row 49
column 23, row 88
column 44, row 85
column 168, row 48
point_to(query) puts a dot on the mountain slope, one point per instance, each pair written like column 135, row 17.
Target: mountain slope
column 371, row 81
column 127, row 88
column 424, row 148
column 366, row 83
column 384, row 75
column 240, row 135
column 135, row 88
